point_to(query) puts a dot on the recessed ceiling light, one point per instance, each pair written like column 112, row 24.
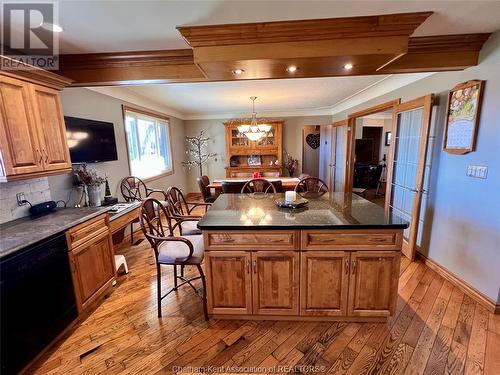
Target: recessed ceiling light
column 348, row 66
column 52, row 27
column 238, row 71
column 291, row 69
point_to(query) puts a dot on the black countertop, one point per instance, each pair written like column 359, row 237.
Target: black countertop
column 18, row 234
column 334, row 211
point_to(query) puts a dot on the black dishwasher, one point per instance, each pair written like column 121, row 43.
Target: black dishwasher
column 37, row 300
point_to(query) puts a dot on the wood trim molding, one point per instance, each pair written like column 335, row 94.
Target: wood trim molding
column 377, row 108
column 442, row 43
column 117, row 68
column 34, row 74
column 483, row 300
column 403, row 24
column 127, row 59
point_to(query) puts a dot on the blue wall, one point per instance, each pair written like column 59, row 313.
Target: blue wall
column 462, row 214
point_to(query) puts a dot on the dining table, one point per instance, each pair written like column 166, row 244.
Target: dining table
column 288, row 183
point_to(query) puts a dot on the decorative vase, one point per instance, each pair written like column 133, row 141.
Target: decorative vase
column 94, row 193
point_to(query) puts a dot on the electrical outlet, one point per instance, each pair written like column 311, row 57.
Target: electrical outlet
column 477, row 171
column 21, row 199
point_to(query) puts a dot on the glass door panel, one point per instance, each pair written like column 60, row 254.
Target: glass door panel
column 339, row 158
column 407, row 166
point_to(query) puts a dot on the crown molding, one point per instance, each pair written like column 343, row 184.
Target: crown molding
column 126, row 95
column 265, row 114
column 384, row 86
column 401, row 24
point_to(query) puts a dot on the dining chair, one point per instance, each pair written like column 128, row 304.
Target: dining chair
column 232, row 187
column 171, row 250
column 134, row 189
column 261, row 185
column 304, row 175
column 311, row 186
column 206, row 194
column 182, row 212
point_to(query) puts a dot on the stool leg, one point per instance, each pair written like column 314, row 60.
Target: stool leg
column 175, row 277
column 158, row 281
column 125, row 266
column 131, row 233
column 204, row 283
column 182, row 271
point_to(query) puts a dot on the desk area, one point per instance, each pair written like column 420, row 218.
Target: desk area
column 322, row 262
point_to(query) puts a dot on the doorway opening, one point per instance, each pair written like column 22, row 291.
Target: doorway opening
column 373, row 133
column 311, row 140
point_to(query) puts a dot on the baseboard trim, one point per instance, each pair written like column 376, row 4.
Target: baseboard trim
column 485, row 301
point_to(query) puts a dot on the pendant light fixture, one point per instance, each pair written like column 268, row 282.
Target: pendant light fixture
column 254, row 131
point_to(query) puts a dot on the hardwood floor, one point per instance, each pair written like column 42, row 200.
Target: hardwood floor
column 436, row 330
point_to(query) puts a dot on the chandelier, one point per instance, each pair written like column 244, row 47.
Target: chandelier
column 254, row 131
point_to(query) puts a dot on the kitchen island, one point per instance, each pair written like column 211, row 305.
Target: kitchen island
column 336, row 259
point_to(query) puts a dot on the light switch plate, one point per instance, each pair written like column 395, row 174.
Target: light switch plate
column 477, row 171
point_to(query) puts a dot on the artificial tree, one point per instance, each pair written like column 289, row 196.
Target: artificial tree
column 197, row 151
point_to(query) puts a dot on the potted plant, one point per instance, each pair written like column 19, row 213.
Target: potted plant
column 92, row 182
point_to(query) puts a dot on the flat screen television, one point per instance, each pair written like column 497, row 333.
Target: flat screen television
column 90, row 141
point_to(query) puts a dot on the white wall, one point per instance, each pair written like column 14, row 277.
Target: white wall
column 81, row 102
column 292, row 142
column 462, row 214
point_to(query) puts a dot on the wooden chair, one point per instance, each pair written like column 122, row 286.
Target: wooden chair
column 304, row 175
column 171, row 250
column 311, row 186
column 232, row 187
column 206, row 194
column 182, row 210
column 134, row 189
column 261, row 185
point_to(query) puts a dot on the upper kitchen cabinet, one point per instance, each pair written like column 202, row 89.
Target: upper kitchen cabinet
column 32, row 132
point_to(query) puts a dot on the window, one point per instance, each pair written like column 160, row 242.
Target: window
column 148, row 141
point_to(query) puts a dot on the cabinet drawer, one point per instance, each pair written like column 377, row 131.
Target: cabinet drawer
column 123, row 220
column 251, row 240
column 352, row 240
column 87, row 230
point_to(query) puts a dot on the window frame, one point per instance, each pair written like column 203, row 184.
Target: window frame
column 157, row 116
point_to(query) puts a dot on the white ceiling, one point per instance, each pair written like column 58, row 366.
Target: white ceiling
column 108, row 26
column 283, row 97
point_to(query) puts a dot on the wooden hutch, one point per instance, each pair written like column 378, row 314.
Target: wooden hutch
column 267, row 150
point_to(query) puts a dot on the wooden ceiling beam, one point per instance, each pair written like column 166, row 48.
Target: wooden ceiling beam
column 438, row 53
column 137, row 67
column 303, row 30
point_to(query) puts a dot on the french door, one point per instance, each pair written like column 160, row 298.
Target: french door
column 340, row 151
column 411, row 121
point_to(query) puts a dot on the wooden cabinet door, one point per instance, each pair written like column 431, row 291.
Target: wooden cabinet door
column 93, row 268
column 229, row 287
column 275, row 282
column 50, row 120
column 19, row 140
column 373, row 284
column 324, row 278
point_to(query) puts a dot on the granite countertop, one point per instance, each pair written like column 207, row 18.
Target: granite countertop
column 330, row 211
column 17, row 234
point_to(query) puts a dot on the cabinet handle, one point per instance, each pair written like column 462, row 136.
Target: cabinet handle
column 247, row 266
column 254, row 266
column 353, row 267
column 346, row 265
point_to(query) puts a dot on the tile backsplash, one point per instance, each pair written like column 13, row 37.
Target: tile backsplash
column 35, row 191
